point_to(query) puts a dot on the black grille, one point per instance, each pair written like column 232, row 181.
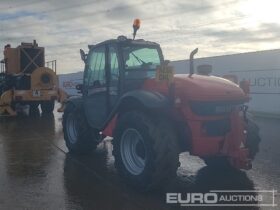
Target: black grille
column 30, row 59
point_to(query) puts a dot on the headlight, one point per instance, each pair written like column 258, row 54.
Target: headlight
column 213, row 108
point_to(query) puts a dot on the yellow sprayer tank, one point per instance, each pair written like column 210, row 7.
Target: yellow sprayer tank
column 24, row 79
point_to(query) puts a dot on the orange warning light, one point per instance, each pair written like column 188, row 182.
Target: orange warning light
column 136, row 23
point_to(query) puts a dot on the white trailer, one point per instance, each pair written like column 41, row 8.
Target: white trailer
column 68, row 82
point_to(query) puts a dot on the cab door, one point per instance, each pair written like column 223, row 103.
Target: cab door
column 114, row 76
column 96, row 103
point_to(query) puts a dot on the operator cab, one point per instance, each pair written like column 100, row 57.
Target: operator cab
column 132, row 61
column 114, row 67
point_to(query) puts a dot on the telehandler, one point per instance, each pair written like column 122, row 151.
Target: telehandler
column 130, row 93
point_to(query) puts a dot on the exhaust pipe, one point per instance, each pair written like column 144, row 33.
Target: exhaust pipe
column 191, row 61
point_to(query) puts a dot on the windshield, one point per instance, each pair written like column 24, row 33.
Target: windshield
column 136, row 57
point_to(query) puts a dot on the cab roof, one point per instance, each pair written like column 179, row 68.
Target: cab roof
column 125, row 40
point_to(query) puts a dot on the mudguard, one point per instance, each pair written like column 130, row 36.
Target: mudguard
column 148, row 99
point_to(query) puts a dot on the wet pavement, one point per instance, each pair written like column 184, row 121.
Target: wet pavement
column 36, row 171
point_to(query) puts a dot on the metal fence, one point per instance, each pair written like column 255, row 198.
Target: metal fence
column 51, row 65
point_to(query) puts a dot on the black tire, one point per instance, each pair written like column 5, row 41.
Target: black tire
column 81, row 139
column 217, row 162
column 33, row 109
column 161, row 151
column 253, row 139
column 47, row 106
column 252, row 144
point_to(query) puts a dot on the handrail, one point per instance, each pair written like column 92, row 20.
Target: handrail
column 2, row 70
column 51, row 65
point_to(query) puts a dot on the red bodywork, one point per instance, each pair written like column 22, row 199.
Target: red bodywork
column 198, row 88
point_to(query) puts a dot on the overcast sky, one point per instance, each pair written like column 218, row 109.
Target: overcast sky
column 216, row 27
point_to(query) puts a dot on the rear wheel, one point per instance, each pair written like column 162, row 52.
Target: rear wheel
column 47, row 106
column 78, row 135
column 146, row 153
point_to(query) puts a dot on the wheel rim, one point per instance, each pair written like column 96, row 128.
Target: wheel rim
column 72, row 128
column 133, row 151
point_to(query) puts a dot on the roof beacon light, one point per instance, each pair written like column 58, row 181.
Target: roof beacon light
column 136, row 26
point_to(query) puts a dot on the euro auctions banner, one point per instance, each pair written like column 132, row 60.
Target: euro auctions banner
column 262, row 81
column 225, row 198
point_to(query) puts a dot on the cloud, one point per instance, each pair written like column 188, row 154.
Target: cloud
column 63, row 27
column 264, row 33
column 19, row 14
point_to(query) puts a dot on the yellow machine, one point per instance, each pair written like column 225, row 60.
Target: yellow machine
column 25, row 78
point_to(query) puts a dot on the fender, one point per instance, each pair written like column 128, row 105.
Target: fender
column 146, row 99
column 150, row 100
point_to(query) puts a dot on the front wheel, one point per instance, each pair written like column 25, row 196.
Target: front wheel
column 217, row 162
column 47, row 106
column 253, row 138
column 78, row 135
column 252, row 144
column 146, row 153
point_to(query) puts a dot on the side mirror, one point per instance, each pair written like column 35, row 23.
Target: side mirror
column 83, row 55
column 80, row 88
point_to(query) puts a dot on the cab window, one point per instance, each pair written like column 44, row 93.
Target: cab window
column 96, row 68
column 139, row 56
